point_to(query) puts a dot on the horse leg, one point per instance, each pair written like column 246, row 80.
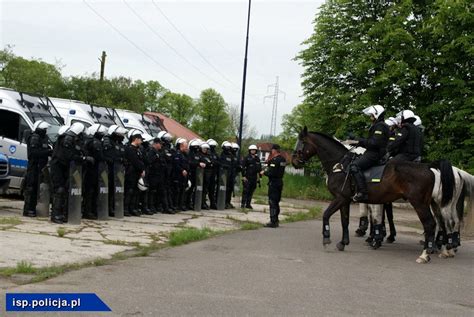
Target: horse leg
column 377, row 216
column 393, row 232
column 363, row 220
column 384, row 229
column 429, row 225
column 330, row 210
column 370, row 238
column 345, row 211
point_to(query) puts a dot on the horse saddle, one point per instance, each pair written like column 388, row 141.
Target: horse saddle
column 374, row 174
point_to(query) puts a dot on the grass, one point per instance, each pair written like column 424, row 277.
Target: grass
column 10, row 221
column 61, row 232
column 248, row 225
column 313, row 213
column 187, row 235
column 299, row 187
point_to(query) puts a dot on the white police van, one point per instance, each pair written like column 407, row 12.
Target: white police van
column 77, row 111
column 133, row 120
column 18, row 113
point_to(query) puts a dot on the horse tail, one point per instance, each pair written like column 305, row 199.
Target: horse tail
column 467, row 192
column 447, row 180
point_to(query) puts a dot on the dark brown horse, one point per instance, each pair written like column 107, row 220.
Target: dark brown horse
column 411, row 181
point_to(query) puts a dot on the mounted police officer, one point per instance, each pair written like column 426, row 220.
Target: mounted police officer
column 212, row 186
column 39, row 150
column 375, row 145
column 408, row 143
column 180, row 173
column 93, row 147
column 114, row 152
column 251, row 168
column 206, row 158
column 275, row 170
column 67, row 148
column 134, row 172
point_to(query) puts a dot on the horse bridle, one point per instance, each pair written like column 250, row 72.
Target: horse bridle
column 299, row 152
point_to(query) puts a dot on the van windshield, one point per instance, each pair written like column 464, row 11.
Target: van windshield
column 37, row 108
column 151, row 126
column 101, row 115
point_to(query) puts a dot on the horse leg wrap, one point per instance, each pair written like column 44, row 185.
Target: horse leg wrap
column 456, row 239
column 449, row 243
column 440, row 239
column 378, row 231
column 326, row 232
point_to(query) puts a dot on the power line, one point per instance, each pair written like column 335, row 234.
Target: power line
column 137, row 47
column 191, row 44
column 168, row 44
column 274, row 96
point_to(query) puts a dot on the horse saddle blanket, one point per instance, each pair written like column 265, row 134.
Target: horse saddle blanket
column 374, row 174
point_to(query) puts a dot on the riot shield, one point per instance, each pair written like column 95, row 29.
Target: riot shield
column 119, row 183
column 44, row 193
column 75, row 194
column 198, row 191
column 222, row 189
column 103, row 192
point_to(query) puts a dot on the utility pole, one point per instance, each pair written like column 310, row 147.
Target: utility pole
column 102, row 65
column 239, row 141
column 274, row 96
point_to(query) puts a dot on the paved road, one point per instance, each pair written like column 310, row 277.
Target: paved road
column 279, row 272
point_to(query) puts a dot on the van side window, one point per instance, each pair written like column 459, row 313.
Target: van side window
column 10, row 124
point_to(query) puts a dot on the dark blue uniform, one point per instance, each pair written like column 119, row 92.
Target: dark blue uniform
column 251, row 168
column 275, row 171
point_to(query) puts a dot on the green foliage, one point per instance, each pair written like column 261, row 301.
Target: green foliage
column 248, row 225
column 400, row 54
column 61, row 232
column 24, row 267
column 10, row 221
column 312, row 213
column 188, row 235
column 301, row 187
column 179, row 107
column 212, row 118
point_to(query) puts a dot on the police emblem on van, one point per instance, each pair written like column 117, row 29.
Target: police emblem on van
column 12, row 149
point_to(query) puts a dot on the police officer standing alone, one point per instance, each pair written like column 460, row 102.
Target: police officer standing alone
column 38, row 152
column 275, row 170
column 251, row 168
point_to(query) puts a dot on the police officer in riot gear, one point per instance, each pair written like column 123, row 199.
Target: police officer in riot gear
column 407, row 145
column 93, row 147
column 145, row 148
column 212, row 186
column 226, row 164
column 208, row 173
column 180, row 173
column 114, row 152
column 251, row 168
column 375, row 146
column 67, row 149
column 420, row 127
column 275, row 170
column 169, row 152
column 38, row 150
column 157, row 177
column 195, row 161
column 236, row 168
column 134, row 170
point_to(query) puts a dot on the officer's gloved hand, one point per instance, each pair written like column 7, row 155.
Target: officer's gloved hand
column 88, row 159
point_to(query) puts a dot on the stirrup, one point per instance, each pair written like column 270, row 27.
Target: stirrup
column 360, row 197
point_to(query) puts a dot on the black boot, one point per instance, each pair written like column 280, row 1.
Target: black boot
column 363, row 225
column 274, row 223
column 57, row 211
column 27, row 210
column 362, row 194
column 151, row 201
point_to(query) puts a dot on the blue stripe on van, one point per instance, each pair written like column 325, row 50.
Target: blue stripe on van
column 17, row 163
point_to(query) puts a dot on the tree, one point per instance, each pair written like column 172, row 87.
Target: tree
column 179, row 107
column 212, row 119
column 248, row 131
column 401, row 54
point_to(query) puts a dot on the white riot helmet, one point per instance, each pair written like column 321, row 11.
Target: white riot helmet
column 405, row 114
column 375, row 110
column 417, row 122
column 226, row 144
column 134, row 132
column 212, row 142
column 63, row 129
column 141, row 185
column 194, row 144
column 117, row 130
column 205, row 145
column 179, row 141
column 41, row 124
column 253, row 147
column 391, row 122
column 96, row 128
column 77, row 128
column 235, row 146
column 160, row 134
column 167, row 137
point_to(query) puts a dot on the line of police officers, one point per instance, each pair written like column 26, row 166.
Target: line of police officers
column 159, row 176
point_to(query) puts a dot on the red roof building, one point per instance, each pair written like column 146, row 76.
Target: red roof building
column 172, row 126
column 266, row 148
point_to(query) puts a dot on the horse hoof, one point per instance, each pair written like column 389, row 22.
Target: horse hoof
column 326, row 241
column 359, row 233
column 443, row 255
column 422, row 260
column 340, row 246
column 391, row 239
column 451, row 253
column 376, row 244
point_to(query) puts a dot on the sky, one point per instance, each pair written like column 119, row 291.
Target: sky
column 187, row 46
